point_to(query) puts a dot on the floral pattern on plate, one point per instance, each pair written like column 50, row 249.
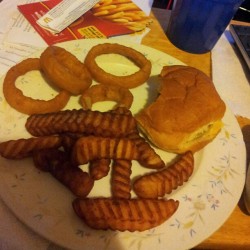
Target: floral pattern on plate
column 206, row 200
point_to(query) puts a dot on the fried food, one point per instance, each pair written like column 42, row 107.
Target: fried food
column 148, row 157
column 124, row 214
column 64, row 70
column 126, row 81
column 101, row 92
column 45, row 159
column 124, row 12
column 108, row 124
column 91, row 148
column 24, row 104
column 120, row 179
column 69, row 139
column 21, row 148
column 99, row 168
column 163, row 182
column 58, row 164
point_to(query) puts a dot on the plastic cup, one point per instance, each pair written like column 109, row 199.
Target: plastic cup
column 196, row 25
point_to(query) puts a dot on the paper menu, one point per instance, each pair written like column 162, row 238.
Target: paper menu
column 64, row 14
column 106, row 19
column 10, row 52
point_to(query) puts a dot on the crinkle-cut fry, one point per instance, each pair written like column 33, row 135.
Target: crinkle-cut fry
column 120, row 179
column 81, row 121
column 124, row 214
column 148, row 157
column 122, row 111
column 21, row 148
column 99, row 168
column 44, row 158
column 163, row 182
column 57, row 163
column 90, row 148
column 69, row 139
column 79, row 182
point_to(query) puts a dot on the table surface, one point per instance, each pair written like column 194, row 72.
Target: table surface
column 234, row 234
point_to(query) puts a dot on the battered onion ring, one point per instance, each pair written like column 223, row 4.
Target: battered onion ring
column 64, row 70
column 127, row 81
column 102, row 92
column 28, row 105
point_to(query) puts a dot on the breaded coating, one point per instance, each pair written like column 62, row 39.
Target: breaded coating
column 148, row 157
column 120, row 179
column 21, row 148
column 47, row 159
column 106, row 124
column 57, row 163
column 124, row 214
column 163, row 182
column 99, row 168
column 90, row 148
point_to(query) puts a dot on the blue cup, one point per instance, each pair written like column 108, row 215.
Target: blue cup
column 196, row 25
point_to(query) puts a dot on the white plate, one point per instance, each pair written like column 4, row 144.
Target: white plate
column 43, row 204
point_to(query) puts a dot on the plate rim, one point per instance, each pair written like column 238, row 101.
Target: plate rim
column 172, row 58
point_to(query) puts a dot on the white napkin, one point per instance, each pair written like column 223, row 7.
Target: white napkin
column 231, row 75
column 19, row 40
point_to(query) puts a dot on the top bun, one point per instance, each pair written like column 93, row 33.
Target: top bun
column 187, row 113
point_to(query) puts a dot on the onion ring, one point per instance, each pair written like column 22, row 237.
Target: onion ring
column 127, row 81
column 102, row 92
column 64, row 70
column 24, row 104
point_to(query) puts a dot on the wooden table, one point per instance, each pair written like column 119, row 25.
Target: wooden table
column 235, row 233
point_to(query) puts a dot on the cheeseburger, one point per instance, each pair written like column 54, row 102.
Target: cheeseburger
column 187, row 112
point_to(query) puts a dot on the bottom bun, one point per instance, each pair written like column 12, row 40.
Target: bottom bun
column 187, row 112
column 183, row 142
